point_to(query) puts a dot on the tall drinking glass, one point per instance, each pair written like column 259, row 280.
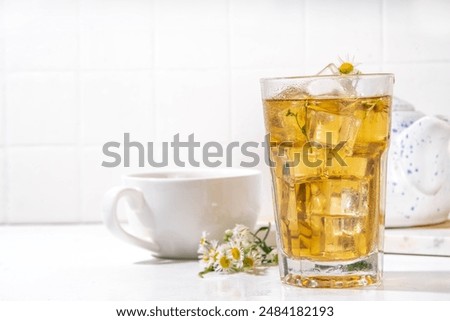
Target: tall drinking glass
column 328, row 144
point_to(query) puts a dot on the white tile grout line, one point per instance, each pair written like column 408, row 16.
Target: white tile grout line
column 119, row 70
column 5, row 166
column 383, row 33
column 304, row 34
column 153, row 113
column 79, row 143
column 156, row 131
column 43, row 145
column 230, row 135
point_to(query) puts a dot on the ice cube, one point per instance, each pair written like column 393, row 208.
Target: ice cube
column 329, row 130
column 291, row 93
column 354, row 166
column 364, row 192
column 330, row 69
column 330, row 87
column 318, row 200
column 350, row 200
column 333, row 87
column 342, row 86
column 307, row 162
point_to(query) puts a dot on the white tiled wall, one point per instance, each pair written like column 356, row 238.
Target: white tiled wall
column 115, row 34
column 2, row 121
column 42, row 108
column 41, row 34
column 267, row 34
column 2, row 186
column 75, row 74
column 353, row 28
column 202, row 107
column 43, row 184
column 191, row 34
column 417, row 31
column 114, row 102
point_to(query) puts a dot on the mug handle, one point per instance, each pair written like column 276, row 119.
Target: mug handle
column 137, row 204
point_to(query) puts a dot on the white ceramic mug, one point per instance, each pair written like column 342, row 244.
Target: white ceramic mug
column 170, row 209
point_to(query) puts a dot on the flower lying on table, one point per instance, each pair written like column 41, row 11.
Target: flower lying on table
column 241, row 251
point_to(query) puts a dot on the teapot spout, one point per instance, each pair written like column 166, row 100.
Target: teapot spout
column 424, row 154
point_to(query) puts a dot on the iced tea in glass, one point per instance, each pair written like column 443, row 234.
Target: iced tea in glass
column 328, row 145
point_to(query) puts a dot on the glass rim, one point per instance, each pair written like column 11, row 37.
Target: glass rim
column 355, row 76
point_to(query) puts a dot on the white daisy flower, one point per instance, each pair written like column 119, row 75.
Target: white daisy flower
column 347, row 66
column 204, row 238
column 242, row 234
column 240, row 230
column 210, row 253
column 241, row 251
column 252, row 260
column 203, row 245
column 236, row 253
column 224, row 263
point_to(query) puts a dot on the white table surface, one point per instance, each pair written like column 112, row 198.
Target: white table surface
column 84, row 262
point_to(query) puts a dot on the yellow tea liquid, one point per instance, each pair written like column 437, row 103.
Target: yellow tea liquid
column 329, row 155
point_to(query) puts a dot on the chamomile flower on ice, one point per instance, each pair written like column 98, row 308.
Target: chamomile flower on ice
column 347, row 66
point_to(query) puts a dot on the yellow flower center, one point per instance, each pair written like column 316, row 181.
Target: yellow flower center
column 249, row 262
column 235, row 253
column 224, row 262
column 346, row 68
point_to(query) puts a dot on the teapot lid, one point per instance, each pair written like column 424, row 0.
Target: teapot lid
column 401, row 105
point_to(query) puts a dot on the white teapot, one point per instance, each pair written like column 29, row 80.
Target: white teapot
column 418, row 175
